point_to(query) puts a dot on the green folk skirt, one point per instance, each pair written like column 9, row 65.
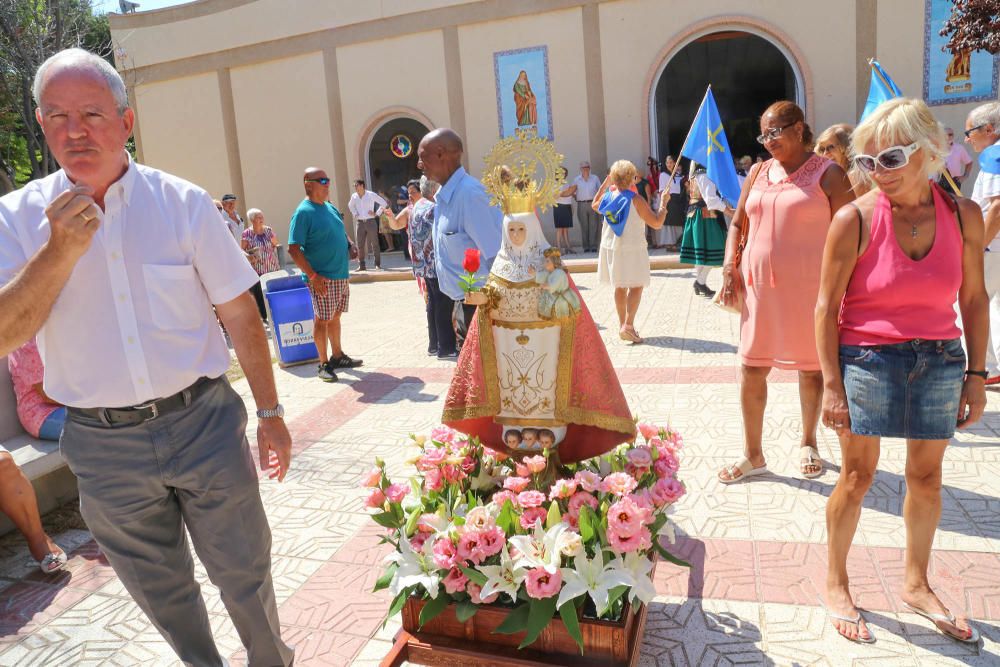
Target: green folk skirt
column 704, row 240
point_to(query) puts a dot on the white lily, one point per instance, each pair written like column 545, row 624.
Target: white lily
column 543, row 548
column 415, row 567
column 636, row 567
column 667, row 529
column 503, row 578
column 484, row 480
column 592, row 577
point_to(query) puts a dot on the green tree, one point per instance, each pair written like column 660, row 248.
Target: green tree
column 30, row 32
column 974, row 25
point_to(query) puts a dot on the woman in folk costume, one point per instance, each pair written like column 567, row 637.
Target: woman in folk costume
column 519, row 370
column 704, row 240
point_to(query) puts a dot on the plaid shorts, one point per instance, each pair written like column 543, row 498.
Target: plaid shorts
column 325, row 306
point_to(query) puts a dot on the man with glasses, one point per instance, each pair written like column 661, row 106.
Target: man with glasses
column 982, row 133
column 958, row 162
column 366, row 206
column 319, row 246
column 584, row 187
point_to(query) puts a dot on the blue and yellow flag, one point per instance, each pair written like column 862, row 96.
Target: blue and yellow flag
column 881, row 89
column 706, row 144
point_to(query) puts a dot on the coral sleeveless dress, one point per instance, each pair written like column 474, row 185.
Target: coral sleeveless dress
column 789, row 218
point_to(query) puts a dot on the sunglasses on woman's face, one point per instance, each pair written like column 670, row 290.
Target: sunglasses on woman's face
column 894, row 157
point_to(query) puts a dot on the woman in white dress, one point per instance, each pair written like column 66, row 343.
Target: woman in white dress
column 623, row 260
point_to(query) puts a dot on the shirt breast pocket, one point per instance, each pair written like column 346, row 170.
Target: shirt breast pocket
column 176, row 298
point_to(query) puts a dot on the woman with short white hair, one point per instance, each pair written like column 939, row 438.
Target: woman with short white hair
column 894, row 263
column 260, row 245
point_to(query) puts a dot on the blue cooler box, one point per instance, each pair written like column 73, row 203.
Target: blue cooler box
column 290, row 312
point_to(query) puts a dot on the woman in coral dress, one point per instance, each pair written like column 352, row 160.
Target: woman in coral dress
column 788, row 201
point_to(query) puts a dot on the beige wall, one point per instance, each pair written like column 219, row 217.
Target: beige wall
column 182, row 131
column 283, row 127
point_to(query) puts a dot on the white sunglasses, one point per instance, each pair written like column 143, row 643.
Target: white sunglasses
column 894, row 157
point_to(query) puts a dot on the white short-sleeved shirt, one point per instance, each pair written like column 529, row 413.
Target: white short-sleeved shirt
column 987, row 187
column 134, row 321
column 586, row 188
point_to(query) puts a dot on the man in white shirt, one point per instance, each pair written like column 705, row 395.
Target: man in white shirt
column 586, row 186
column 234, row 221
column 366, row 206
column 116, row 266
column 957, row 161
column 982, row 132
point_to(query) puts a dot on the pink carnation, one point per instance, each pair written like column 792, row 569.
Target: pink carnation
column 445, row 555
column 522, row 470
column 531, row 516
column 619, row 484
column 528, row 499
column 542, row 584
column 473, row 589
column 622, row 544
column 492, row 540
column 373, row 478
column 626, row 518
column 396, row 492
column 666, row 491
column 418, row 539
column 375, row 498
column 563, row 488
column 470, row 547
column 590, row 481
column 579, row 499
column 433, row 479
column 432, row 458
column 455, row 581
column 443, row 434
column 666, row 465
column 516, row 484
column 640, row 457
column 501, row 497
column 536, row 463
column 648, row 430
column 643, row 499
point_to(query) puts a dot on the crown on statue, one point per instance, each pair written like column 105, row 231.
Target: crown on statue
column 522, row 172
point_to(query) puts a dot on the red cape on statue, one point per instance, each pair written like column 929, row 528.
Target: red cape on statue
column 593, row 405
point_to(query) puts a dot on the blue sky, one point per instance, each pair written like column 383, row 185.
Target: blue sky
column 144, row 5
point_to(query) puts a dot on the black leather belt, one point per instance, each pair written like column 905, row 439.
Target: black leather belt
column 138, row 414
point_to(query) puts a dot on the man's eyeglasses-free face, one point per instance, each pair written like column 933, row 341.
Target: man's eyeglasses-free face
column 772, row 134
column 321, row 181
column 968, row 133
column 894, row 157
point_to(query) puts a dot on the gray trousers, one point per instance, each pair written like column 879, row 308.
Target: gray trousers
column 141, row 486
column 368, row 233
column 590, row 224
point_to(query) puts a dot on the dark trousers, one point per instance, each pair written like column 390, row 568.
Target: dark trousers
column 258, row 296
column 368, row 233
column 439, row 327
column 463, row 318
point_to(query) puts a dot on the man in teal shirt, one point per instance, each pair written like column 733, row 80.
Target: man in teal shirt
column 320, row 247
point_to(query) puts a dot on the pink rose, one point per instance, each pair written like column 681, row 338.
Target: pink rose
column 536, row 463
column 640, row 457
column 648, row 430
column 500, row 497
column 474, row 589
column 418, row 539
column 522, row 470
column 492, row 540
column 455, row 581
column 373, row 478
column 563, row 488
column 516, row 484
column 643, row 499
column 542, row 584
column 443, row 434
column 666, row 491
column 470, row 547
column 432, row 458
column 619, row 484
column 433, row 479
column 626, row 518
column 396, row 492
column 468, row 464
column 375, row 498
column 622, row 544
column 531, row 516
column 445, row 555
column 666, row 465
column 528, row 499
column 590, row 481
column 579, row 499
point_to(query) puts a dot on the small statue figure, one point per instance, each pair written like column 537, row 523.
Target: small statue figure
column 557, row 300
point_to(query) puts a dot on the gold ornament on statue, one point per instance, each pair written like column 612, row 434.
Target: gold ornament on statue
column 522, row 172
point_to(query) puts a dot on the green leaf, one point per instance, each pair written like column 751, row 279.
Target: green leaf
column 433, row 607
column 614, row 595
column 516, row 621
column 506, row 519
column 397, row 604
column 475, row 576
column 539, row 615
column 669, row 557
column 586, row 525
column 553, row 517
column 572, row 622
column 386, row 519
column 465, row 610
column 386, row 578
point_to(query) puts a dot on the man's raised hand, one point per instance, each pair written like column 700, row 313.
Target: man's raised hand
column 73, row 219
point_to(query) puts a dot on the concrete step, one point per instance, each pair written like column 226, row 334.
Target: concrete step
column 42, row 463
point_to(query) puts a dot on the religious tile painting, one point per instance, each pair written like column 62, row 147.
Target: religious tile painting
column 953, row 78
column 523, row 99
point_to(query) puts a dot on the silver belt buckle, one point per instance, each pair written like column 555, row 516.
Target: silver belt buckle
column 152, row 406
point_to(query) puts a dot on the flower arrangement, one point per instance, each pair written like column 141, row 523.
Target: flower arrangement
column 474, row 527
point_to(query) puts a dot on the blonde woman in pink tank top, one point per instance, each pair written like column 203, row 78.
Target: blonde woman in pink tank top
column 892, row 358
column 787, row 202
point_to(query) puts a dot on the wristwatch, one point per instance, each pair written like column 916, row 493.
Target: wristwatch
column 276, row 411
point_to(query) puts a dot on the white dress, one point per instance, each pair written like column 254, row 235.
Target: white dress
column 623, row 261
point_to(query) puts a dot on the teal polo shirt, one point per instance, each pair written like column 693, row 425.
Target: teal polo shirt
column 319, row 230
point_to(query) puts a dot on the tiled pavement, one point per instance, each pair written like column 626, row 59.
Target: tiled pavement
column 757, row 549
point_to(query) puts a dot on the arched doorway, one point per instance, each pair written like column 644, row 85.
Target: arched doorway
column 391, row 159
column 747, row 73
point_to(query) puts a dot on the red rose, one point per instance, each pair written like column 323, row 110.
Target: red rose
column 471, row 261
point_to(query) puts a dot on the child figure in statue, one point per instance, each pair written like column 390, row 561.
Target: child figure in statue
column 557, row 300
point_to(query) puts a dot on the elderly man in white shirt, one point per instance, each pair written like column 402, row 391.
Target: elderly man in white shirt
column 366, row 206
column 584, row 187
column 116, row 267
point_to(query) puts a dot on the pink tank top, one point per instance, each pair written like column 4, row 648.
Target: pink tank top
column 892, row 298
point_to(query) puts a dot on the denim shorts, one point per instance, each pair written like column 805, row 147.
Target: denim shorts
column 906, row 390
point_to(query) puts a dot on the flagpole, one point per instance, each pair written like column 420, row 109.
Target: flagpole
column 945, row 173
column 677, row 162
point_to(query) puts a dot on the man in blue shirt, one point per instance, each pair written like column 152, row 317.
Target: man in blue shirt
column 319, row 246
column 463, row 219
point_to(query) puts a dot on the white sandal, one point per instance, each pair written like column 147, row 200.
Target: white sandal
column 745, row 468
column 950, row 619
column 810, row 456
column 53, row 562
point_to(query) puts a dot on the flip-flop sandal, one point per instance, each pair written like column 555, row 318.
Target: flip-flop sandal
column 948, row 618
column 745, row 468
column 53, row 562
column 856, row 621
column 810, row 456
